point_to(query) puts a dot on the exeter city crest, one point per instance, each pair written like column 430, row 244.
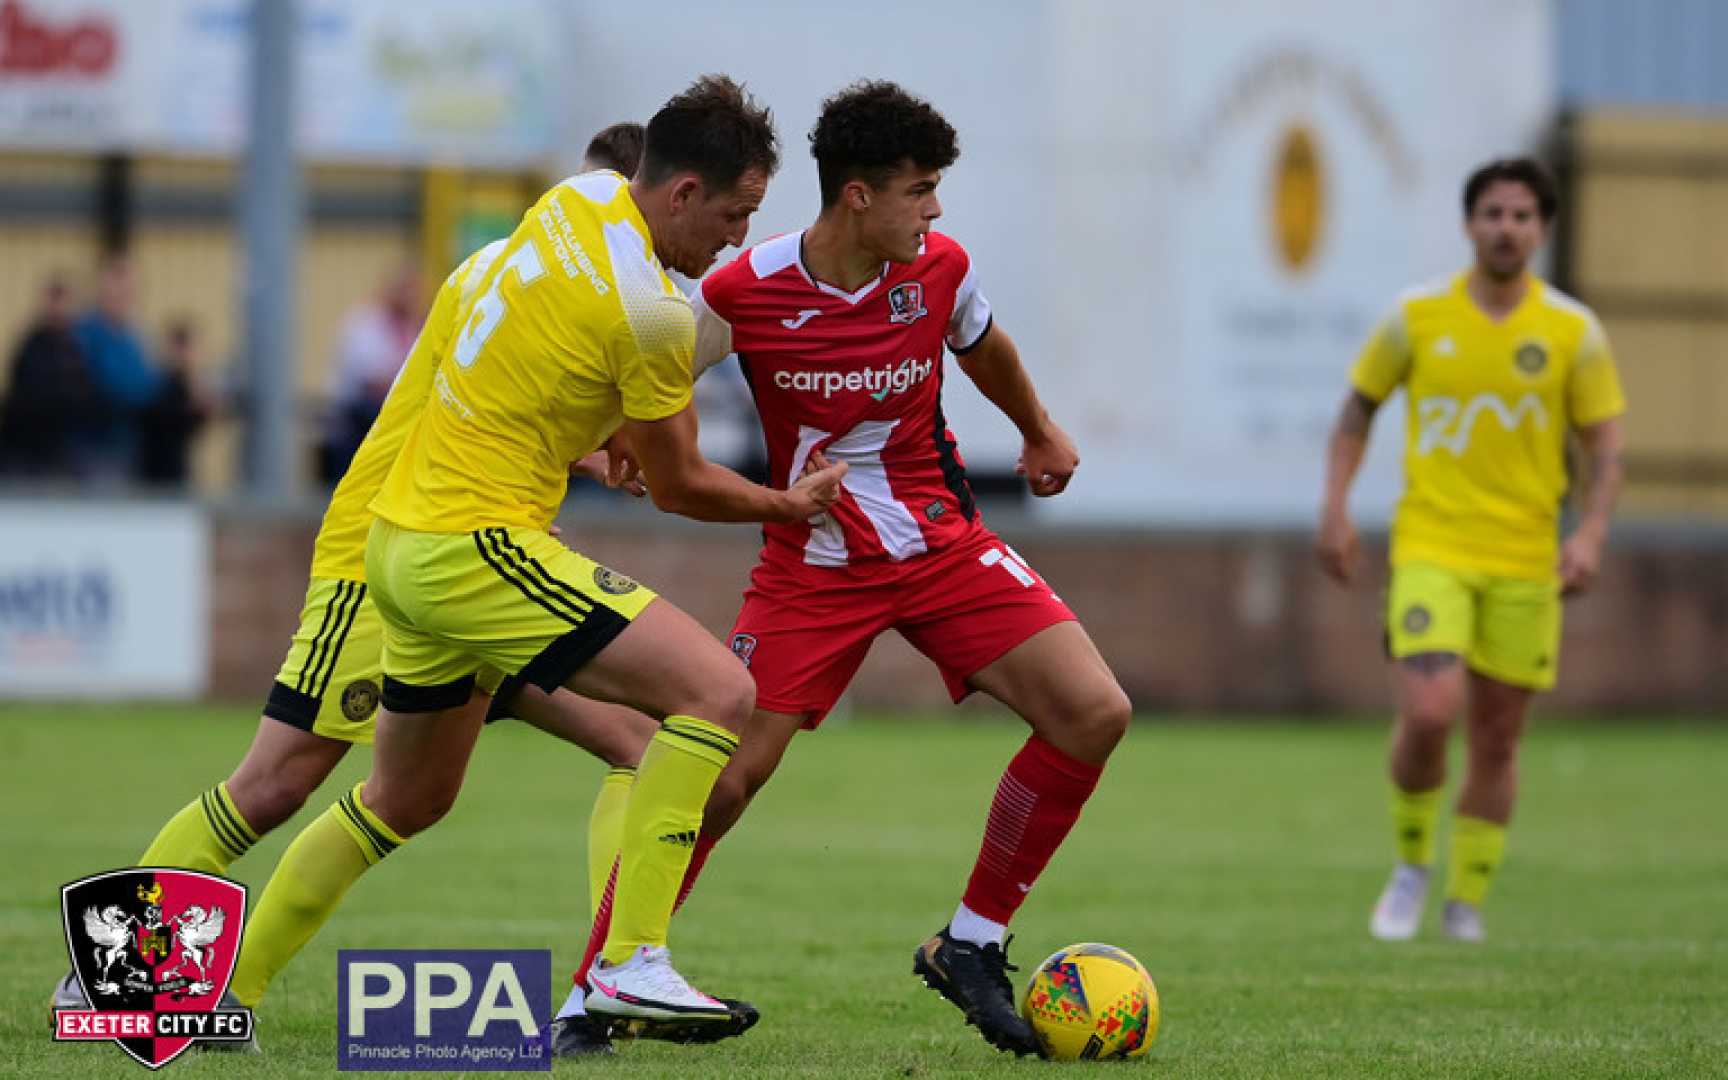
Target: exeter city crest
column 153, row 949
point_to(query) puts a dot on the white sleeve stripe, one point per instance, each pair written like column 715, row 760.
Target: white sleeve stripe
column 971, row 318
column 713, row 335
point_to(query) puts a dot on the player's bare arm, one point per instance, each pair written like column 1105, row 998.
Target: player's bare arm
column 1581, row 555
column 681, row 481
column 1048, row 458
column 1338, row 546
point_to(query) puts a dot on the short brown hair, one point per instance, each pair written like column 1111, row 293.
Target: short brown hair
column 715, row 130
column 618, row 148
column 1523, row 170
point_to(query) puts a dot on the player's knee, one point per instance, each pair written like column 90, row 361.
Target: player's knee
column 268, row 802
column 729, row 699
column 1104, row 721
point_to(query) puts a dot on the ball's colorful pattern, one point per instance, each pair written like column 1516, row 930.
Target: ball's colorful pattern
column 1092, row 1001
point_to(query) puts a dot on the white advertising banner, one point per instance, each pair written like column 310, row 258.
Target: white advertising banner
column 103, row 600
column 1188, row 215
column 444, row 80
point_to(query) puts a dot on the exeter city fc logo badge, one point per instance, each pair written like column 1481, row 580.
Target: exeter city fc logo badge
column 906, row 303
column 153, row 949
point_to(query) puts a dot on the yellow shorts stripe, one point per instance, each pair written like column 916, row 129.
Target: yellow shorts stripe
column 530, row 577
column 537, row 572
column 327, row 643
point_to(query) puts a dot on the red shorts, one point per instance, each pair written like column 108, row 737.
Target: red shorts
column 804, row 629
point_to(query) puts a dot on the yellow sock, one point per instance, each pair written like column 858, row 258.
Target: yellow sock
column 316, row 871
column 207, row 834
column 1477, row 847
column 1414, row 814
column 606, row 831
column 660, row 825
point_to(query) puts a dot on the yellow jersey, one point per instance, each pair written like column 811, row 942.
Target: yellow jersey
column 1490, row 405
column 574, row 327
column 340, row 551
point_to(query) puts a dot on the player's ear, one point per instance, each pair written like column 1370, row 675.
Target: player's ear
column 856, row 193
column 686, row 191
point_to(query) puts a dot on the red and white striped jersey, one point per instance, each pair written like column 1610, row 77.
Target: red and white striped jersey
column 858, row 377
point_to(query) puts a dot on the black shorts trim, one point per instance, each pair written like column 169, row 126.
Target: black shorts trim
column 399, row 697
column 565, row 656
column 503, row 699
column 292, row 707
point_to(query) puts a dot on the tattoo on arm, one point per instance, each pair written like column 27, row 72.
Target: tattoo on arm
column 1429, row 663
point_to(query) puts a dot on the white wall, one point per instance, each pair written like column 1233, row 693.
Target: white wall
column 1119, row 205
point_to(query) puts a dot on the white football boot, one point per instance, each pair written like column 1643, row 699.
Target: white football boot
column 1399, row 911
column 648, row 987
column 1461, row 921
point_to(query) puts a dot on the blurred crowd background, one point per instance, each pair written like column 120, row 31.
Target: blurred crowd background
column 1189, row 214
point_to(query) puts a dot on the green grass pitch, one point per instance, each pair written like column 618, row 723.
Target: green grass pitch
column 1238, row 862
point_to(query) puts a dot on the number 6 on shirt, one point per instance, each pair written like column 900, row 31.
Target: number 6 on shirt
column 489, row 309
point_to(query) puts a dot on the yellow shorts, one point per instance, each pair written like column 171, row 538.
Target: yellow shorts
column 456, row 604
column 333, row 675
column 1505, row 628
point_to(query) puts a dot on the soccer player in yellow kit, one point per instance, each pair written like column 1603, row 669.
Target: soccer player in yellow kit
column 325, row 696
column 1499, row 368
column 574, row 333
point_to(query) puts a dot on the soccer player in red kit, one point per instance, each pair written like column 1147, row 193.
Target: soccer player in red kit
column 840, row 330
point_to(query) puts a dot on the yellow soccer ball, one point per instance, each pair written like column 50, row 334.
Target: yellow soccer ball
column 1092, row 1002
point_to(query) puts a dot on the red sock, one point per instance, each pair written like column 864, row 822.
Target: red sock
column 698, row 858
column 603, row 918
column 1037, row 802
column 602, row 926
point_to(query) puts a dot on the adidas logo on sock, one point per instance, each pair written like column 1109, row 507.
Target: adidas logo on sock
column 687, row 838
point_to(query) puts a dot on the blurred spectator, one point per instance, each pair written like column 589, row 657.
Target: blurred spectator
column 50, row 397
column 106, row 445
column 374, row 342
column 169, row 424
column 618, row 148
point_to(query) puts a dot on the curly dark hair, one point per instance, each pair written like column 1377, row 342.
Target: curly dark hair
column 714, row 129
column 1526, row 171
column 870, row 129
column 618, row 148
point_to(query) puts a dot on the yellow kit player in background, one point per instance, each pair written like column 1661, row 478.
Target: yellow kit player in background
column 573, row 333
column 325, row 696
column 1499, row 369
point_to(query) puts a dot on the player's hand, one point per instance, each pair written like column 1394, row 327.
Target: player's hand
column 815, row 491
column 1580, row 562
column 1048, row 462
column 592, row 467
column 622, row 469
column 1339, row 548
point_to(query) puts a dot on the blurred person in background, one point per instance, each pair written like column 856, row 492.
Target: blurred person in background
column 106, row 445
column 1499, row 369
column 168, row 426
column 618, row 148
column 49, row 396
column 374, row 341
